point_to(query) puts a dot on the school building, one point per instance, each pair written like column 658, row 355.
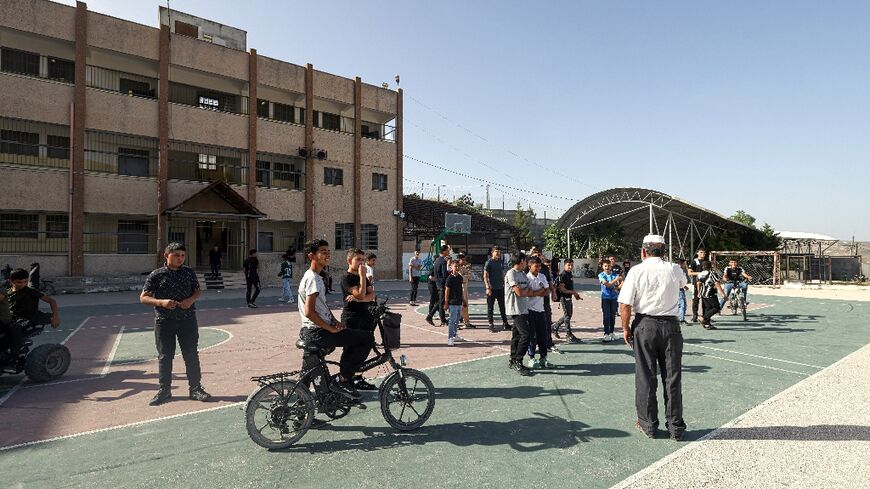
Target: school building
column 117, row 138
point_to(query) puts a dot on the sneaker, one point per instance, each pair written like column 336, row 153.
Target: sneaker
column 470, row 326
column 573, row 340
column 252, row 305
column 523, row 370
column 363, row 385
column 606, row 338
column 676, row 436
column 533, row 363
column 344, row 388
column 556, row 350
column 507, row 327
column 458, row 338
column 640, row 428
column 694, row 319
column 163, row 395
column 443, row 324
column 512, row 364
column 199, row 394
column 546, row 363
column 449, row 341
column 430, row 321
column 493, row 329
column 556, row 333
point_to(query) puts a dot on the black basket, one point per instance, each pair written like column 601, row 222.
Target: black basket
column 392, row 330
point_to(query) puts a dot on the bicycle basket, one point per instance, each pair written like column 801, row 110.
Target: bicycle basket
column 392, row 330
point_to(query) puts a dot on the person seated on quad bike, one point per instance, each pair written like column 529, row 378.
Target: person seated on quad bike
column 321, row 329
column 735, row 275
column 22, row 303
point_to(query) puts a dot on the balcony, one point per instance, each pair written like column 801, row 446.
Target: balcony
column 26, row 143
column 27, row 63
column 128, row 84
column 207, row 99
column 120, row 154
column 202, row 163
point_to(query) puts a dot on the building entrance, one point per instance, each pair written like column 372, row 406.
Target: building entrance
column 201, row 235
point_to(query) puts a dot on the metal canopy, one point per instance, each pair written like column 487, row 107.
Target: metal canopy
column 642, row 211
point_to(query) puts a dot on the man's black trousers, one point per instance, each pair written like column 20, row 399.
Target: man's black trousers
column 252, row 282
column 415, row 284
column 519, row 337
column 436, row 301
column 658, row 348
column 356, row 345
column 495, row 295
column 186, row 331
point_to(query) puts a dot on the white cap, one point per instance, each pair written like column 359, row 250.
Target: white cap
column 653, row 238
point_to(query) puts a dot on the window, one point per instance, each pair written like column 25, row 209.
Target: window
column 370, row 130
column 58, row 147
column 137, row 88
column 263, row 109
column 207, row 162
column 333, row 176
column 132, row 237
column 19, row 142
column 15, row 61
column 343, row 235
column 176, row 235
column 285, row 171
column 369, row 236
column 186, row 29
column 133, row 162
column 265, row 241
column 264, row 173
column 61, row 69
column 56, row 227
column 284, row 112
column 330, row 121
column 208, row 102
column 19, row 226
column 379, row 182
column 207, row 38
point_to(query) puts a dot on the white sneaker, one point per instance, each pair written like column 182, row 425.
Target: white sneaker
column 458, row 338
column 449, row 341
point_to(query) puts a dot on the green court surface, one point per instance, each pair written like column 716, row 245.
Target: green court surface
column 568, row 427
column 138, row 346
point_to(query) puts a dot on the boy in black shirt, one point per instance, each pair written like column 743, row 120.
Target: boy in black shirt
column 453, row 301
column 566, row 294
column 252, row 278
column 357, row 300
column 22, row 302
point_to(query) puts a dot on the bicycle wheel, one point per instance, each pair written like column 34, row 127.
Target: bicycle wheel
column 743, row 307
column 48, row 289
column 732, row 304
column 278, row 414
column 407, row 400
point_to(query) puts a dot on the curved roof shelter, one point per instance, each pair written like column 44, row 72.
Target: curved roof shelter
column 638, row 211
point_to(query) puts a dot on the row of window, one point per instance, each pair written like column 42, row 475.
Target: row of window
column 49, row 233
column 344, row 236
column 32, row 64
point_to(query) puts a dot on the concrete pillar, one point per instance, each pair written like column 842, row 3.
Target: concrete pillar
column 309, row 160
column 400, row 224
column 357, row 162
column 163, row 134
column 76, row 262
column 252, row 145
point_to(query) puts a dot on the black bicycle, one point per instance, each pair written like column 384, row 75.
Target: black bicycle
column 737, row 299
column 281, row 410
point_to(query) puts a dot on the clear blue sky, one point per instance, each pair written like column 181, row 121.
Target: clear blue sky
column 761, row 106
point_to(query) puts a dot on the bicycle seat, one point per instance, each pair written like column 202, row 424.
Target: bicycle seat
column 312, row 348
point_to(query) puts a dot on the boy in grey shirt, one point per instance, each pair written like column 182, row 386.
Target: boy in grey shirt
column 517, row 292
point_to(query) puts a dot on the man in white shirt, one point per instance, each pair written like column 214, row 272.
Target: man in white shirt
column 319, row 326
column 371, row 258
column 538, row 331
column 651, row 291
column 517, row 293
column 414, row 267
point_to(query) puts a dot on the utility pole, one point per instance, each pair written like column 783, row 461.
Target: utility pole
column 439, row 193
column 487, row 196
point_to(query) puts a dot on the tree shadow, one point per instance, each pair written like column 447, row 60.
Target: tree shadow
column 532, row 434
column 824, row 432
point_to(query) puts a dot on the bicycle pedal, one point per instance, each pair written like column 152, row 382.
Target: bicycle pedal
column 360, row 405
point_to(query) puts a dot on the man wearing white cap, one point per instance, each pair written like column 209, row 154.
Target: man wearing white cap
column 651, row 291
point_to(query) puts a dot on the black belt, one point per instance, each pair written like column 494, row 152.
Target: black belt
column 659, row 318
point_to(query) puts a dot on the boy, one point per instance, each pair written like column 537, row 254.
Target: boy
column 415, row 265
column 358, row 294
column 215, row 257
column 682, row 305
column 566, row 294
column 173, row 289
column 709, row 280
column 319, row 326
column 286, row 274
column 437, row 279
column 517, row 292
column 371, row 259
column 465, row 272
column 493, row 279
column 252, row 278
column 540, row 288
column 610, row 281
column 453, row 300
column 22, row 302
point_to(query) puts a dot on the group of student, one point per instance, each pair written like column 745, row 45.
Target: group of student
column 707, row 281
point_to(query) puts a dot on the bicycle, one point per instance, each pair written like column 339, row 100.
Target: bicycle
column 588, row 272
column 285, row 404
column 35, row 281
column 737, row 300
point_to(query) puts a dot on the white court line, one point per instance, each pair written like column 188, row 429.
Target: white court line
column 17, row 386
column 112, row 353
column 229, row 337
column 756, row 356
column 498, row 347
column 216, row 408
column 755, row 364
column 697, row 444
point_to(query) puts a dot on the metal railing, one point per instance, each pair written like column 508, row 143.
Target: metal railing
column 191, row 161
column 29, row 143
column 208, row 99
column 121, row 154
column 280, row 171
column 118, row 81
column 23, row 233
column 119, row 235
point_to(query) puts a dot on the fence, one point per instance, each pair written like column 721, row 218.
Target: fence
column 121, row 154
column 121, row 82
column 29, row 143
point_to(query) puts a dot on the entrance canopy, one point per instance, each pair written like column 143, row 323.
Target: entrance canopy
column 641, row 211
column 217, row 199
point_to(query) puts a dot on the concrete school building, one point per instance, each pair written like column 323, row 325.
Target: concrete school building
column 117, row 138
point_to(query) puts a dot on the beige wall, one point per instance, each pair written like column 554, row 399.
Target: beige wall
column 119, row 194
column 34, row 99
column 339, row 145
column 123, row 36
column 281, row 205
column 208, row 57
column 379, row 99
column 107, row 265
column 179, row 191
column 50, row 266
column 115, row 112
column 279, row 138
column 280, row 74
column 37, row 189
column 379, row 153
column 208, row 127
column 333, row 87
column 45, row 18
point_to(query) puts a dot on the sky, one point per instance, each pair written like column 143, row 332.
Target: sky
column 759, row 106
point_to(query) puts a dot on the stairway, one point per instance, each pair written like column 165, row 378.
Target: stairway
column 226, row 280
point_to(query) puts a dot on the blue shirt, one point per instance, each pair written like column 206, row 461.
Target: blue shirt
column 608, row 292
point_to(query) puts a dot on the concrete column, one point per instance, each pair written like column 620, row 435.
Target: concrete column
column 252, row 145
column 357, row 162
column 400, row 224
column 163, row 131
column 76, row 262
column 309, row 143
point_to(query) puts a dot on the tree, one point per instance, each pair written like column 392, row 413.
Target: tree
column 556, row 241
column 743, row 217
column 465, row 201
column 522, row 237
column 771, row 240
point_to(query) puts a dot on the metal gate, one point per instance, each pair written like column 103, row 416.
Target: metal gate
column 199, row 235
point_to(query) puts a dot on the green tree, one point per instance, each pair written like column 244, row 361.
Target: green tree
column 465, row 201
column 770, row 239
column 522, row 237
column 744, row 218
column 556, row 241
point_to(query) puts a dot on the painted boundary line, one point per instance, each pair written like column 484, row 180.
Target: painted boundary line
column 756, row 356
column 755, row 365
column 696, row 445
column 17, row 386
column 216, row 408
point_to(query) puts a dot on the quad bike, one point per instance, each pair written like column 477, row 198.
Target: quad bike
column 46, row 362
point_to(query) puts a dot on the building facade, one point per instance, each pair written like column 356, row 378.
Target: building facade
column 117, row 138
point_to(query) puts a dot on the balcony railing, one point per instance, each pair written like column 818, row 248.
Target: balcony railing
column 23, row 232
column 374, row 130
column 190, row 161
column 36, row 65
column 28, row 143
column 121, row 154
column 208, row 99
column 121, row 82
